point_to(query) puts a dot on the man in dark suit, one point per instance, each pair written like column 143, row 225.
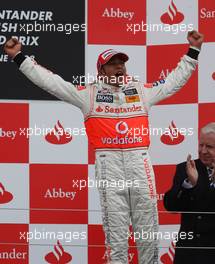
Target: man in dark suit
column 193, row 194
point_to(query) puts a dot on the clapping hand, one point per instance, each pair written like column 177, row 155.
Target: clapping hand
column 191, row 170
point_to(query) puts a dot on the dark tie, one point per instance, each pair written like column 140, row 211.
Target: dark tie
column 211, row 177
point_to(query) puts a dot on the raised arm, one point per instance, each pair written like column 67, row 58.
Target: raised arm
column 179, row 76
column 44, row 78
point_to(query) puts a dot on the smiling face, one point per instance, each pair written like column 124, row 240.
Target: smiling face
column 207, row 148
column 114, row 71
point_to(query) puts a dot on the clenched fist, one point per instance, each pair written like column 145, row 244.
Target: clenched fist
column 12, row 47
column 195, row 38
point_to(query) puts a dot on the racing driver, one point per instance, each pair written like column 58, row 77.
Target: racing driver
column 114, row 108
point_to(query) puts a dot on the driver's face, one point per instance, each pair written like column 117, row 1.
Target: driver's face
column 115, row 71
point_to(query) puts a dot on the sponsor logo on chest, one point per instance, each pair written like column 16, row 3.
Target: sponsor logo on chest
column 119, row 110
column 101, row 98
column 132, row 99
column 130, row 91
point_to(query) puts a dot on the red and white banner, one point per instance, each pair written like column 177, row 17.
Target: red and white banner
column 49, row 207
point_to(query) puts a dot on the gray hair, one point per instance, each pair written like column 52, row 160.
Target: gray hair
column 209, row 128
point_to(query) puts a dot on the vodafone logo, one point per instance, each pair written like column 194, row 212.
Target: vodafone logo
column 121, row 127
column 58, row 256
column 117, row 13
column 172, row 16
column 213, row 76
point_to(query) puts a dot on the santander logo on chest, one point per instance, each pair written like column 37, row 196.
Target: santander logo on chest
column 118, row 110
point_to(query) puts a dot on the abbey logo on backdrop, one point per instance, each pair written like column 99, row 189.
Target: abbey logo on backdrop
column 43, row 32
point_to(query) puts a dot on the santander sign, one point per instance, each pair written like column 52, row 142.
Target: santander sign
column 172, row 16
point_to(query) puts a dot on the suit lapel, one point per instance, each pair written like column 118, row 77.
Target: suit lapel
column 203, row 173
